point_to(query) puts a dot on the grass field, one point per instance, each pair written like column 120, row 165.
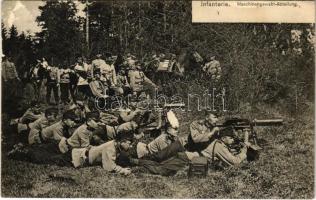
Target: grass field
column 285, row 169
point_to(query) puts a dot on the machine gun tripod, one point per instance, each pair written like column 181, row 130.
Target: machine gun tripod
column 248, row 128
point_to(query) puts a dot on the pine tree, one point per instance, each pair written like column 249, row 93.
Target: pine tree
column 4, row 37
column 61, row 36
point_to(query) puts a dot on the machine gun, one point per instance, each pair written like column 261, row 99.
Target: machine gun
column 247, row 126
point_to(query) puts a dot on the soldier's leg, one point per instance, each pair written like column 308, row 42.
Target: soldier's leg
column 64, row 92
column 48, row 92
column 56, row 96
column 165, row 168
column 72, row 89
column 172, row 150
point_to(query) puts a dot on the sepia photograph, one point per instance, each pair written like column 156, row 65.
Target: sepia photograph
column 157, row 99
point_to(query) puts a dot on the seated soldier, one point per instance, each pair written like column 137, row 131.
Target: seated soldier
column 97, row 87
column 123, row 87
column 105, row 154
column 138, row 79
column 83, row 135
column 41, row 123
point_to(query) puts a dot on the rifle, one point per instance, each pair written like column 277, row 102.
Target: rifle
column 248, row 126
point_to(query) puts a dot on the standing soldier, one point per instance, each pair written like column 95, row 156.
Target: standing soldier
column 73, row 81
column 82, row 70
column 138, row 79
column 9, row 78
column 97, row 63
column 36, row 75
column 53, row 80
column 213, row 68
column 64, row 77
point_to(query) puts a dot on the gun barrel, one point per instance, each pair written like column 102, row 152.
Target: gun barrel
column 174, row 105
column 267, row 122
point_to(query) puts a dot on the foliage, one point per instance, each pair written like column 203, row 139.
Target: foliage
column 20, row 47
column 61, row 36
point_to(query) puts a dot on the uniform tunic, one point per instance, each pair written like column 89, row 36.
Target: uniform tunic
column 81, row 137
column 159, row 143
column 64, row 75
column 137, row 79
column 222, row 153
column 108, row 73
column 8, row 71
column 198, row 138
column 97, row 88
column 82, row 70
column 29, row 116
column 36, row 127
column 55, row 132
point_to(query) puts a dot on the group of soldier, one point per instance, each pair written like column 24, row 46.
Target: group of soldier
column 80, row 137
column 99, row 78
column 102, row 77
column 119, row 138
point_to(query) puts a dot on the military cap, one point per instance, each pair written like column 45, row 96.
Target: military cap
column 69, row 115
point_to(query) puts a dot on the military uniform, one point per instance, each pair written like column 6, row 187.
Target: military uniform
column 55, row 132
column 35, row 128
column 97, row 89
column 53, row 80
column 123, row 86
column 108, row 74
column 137, row 80
column 198, row 138
column 107, row 132
column 158, row 144
column 36, row 74
column 218, row 151
column 9, row 76
column 81, row 137
column 213, row 69
column 104, row 154
column 64, row 84
column 83, row 72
